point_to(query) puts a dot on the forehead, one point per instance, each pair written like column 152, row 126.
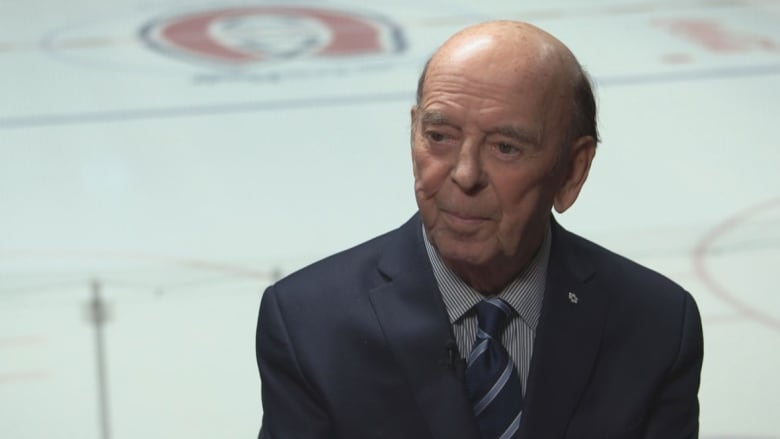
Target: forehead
column 514, row 50
column 520, row 77
column 490, row 95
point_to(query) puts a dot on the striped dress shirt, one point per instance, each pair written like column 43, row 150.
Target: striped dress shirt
column 524, row 294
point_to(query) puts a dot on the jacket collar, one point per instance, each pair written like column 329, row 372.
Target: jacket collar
column 567, row 340
column 413, row 318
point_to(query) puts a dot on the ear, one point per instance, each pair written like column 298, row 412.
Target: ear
column 581, row 155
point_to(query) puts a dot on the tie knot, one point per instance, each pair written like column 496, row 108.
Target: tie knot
column 492, row 316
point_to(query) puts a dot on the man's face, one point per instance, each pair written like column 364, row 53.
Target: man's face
column 486, row 150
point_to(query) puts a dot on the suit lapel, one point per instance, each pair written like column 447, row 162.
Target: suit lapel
column 567, row 341
column 415, row 324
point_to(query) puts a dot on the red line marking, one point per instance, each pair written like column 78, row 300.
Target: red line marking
column 701, row 251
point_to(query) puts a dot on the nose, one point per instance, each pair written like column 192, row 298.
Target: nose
column 467, row 172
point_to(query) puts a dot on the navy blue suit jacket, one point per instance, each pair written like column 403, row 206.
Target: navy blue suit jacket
column 358, row 346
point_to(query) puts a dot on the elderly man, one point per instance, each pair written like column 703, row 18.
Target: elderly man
column 481, row 317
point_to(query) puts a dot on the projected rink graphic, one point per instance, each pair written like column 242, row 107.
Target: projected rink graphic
column 182, row 184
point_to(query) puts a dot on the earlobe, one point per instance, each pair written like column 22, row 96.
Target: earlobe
column 581, row 156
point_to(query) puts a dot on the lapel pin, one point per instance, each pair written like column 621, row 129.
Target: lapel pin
column 573, row 298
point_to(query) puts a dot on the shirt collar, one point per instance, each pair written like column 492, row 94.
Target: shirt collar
column 524, row 294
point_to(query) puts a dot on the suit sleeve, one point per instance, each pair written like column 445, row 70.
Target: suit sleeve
column 675, row 414
column 291, row 407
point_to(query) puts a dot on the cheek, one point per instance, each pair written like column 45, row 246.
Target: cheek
column 525, row 190
column 526, row 206
column 429, row 174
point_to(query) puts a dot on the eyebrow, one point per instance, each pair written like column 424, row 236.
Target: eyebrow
column 519, row 134
column 435, row 118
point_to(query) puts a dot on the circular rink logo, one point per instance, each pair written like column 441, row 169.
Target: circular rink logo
column 258, row 35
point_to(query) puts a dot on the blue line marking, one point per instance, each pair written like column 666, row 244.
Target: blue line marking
column 92, row 117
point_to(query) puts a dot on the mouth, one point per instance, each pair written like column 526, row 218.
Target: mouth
column 465, row 219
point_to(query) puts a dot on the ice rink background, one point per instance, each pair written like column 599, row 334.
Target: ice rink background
column 184, row 183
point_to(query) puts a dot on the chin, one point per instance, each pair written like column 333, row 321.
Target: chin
column 473, row 254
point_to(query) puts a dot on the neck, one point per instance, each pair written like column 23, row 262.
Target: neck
column 491, row 278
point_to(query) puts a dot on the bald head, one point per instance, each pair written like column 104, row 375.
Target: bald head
column 493, row 149
column 520, row 54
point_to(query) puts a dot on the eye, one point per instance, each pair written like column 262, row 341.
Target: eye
column 505, row 148
column 435, row 136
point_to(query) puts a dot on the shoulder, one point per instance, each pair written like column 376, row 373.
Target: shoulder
column 641, row 301
column 650, row 342
column 621, row 275
column 340, row 268
column 346, row 273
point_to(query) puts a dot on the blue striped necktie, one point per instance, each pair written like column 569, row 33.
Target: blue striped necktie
column 494, row 388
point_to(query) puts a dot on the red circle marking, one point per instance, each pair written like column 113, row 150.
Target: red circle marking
column 701, row 251
column 349, row 34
